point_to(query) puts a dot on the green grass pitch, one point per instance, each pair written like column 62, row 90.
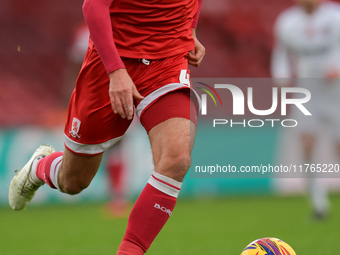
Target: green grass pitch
column 207, row 227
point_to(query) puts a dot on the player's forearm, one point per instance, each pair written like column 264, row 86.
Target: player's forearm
column 194, row 23
column 97, row 16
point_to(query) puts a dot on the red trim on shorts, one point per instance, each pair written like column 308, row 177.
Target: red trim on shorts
column 176, row 104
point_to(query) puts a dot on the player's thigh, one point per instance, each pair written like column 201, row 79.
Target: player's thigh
column 172, row 142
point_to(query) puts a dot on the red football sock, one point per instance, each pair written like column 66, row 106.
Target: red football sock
column 115, row 170
column 127, row 248
column 48, row 167
column 149, row 214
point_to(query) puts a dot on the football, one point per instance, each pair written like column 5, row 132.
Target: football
column 268, row 246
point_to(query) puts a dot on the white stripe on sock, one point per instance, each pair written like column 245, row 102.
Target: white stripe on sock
column 167, row 179
column 165, row 184
column 54, row 170
column 33, row 173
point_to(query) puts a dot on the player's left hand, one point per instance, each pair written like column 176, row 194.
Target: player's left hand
column 195, row 56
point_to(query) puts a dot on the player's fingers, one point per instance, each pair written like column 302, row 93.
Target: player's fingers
column 136, row 95
column 192, row 59
column 192, row 56
column 200, row 53
column 198, row 57
column 119, row 107
column 128, row 105
column 113, row 103
column 193, row 63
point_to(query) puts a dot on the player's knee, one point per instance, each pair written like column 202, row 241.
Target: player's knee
column 73, row 186
column 175, row 166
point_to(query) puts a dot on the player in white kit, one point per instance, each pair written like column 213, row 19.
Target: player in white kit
column 308, row 48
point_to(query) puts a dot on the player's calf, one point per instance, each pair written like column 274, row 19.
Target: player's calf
column 77, row 171
column 73, row 185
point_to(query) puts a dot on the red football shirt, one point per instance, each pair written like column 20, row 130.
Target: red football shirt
column 152, row 29
column 139, row 28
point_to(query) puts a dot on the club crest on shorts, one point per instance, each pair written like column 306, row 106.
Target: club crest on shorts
column 75, row 128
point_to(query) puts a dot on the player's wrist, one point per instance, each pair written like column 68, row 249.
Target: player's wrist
column 194, row 33
column 118, row 72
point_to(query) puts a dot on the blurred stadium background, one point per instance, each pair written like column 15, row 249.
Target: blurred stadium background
column 215, row 216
